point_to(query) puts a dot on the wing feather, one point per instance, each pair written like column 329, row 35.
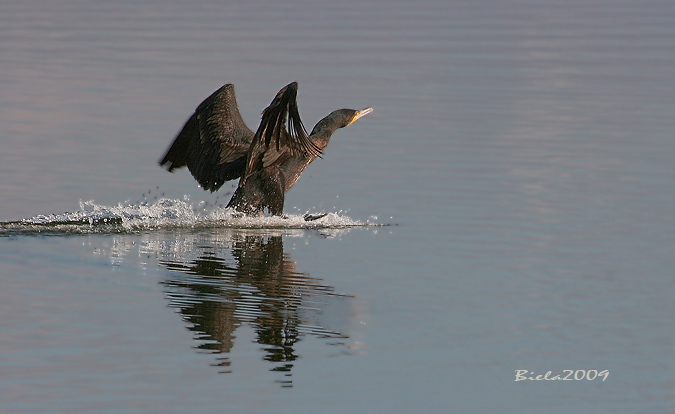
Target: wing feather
column 273, row 141
column 214, row 141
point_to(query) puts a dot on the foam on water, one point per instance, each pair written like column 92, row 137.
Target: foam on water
column 167, row 213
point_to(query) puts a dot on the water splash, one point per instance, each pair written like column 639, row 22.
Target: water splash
column 167, row 213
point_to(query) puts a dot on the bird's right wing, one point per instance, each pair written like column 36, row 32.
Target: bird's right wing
column 213, row 143
column 273, row 140
column 282, row 110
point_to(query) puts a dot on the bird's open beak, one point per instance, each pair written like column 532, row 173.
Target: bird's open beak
column 361, row 113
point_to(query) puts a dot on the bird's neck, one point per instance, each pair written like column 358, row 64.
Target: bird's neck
column 322, row 132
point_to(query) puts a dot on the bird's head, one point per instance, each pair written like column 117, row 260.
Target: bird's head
column 336, row 119
column 344, row 117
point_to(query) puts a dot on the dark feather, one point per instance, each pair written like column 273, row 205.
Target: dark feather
column 282, row 110
column 214, row 141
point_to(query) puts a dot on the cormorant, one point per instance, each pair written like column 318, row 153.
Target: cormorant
column 217, row 146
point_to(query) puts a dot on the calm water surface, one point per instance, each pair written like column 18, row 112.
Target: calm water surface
column 508, row 206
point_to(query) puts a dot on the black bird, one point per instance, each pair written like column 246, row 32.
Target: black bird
column 217, row 146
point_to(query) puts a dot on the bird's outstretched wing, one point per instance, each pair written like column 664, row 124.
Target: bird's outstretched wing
column 213, row 143
column 273, row 139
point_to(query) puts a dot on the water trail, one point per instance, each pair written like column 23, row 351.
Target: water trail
column 166, row 213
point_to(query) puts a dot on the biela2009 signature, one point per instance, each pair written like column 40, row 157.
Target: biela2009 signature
column 567, row 375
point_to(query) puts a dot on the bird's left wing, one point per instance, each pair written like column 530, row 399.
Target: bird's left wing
column 213, row 143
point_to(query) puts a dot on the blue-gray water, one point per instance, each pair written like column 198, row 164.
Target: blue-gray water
column 508, row 206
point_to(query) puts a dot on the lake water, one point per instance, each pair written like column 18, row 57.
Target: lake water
column 509, row 205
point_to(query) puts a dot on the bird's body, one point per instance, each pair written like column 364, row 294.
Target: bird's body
column 217, row 146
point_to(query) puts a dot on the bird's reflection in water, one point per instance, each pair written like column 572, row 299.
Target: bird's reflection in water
column 236, row 278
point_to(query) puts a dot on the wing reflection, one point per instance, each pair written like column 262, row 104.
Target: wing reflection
column 240, row 278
